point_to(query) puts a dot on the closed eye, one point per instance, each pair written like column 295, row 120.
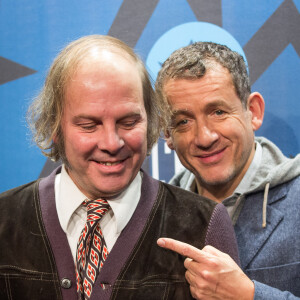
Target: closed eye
column 129, row 124
column 88, row 127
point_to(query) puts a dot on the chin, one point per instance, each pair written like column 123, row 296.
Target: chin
column 111, row 191
column 215, row 181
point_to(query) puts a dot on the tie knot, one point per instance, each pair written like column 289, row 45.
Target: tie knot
column 96, row 209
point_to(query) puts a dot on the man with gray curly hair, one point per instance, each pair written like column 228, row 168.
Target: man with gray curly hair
column 212, row 116
column 89, row 229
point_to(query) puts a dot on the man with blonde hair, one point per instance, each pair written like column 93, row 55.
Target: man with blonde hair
column 89, row 230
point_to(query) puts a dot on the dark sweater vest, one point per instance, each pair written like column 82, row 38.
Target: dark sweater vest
column 35, row 256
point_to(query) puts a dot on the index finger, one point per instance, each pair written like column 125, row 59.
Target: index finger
column 183, row 249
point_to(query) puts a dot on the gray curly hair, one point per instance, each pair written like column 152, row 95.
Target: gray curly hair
column 45, row 113
column 191, row 62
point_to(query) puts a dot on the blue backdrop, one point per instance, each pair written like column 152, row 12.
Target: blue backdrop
column 33, row 32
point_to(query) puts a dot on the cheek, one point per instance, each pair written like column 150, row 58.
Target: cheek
column 181, row 141
column 241, row 140
column 80, row 143
column 136, row 140
column 233, row 129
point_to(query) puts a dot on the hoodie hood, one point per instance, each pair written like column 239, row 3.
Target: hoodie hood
column 275, row 168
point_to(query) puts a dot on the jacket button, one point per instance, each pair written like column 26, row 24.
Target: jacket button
column 66, row 283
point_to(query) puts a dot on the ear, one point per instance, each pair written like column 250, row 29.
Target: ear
column 55, row 138
column 169, row 139
column 256, row 105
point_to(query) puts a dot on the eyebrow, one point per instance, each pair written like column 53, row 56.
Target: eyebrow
column 96, row 118
column 185, row 112
column 208, row 106
column 84, row 117
column 217, row 103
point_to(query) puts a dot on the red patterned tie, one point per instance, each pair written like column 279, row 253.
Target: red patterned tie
column 91, row 248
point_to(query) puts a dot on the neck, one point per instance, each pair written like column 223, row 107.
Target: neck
column 216, row 193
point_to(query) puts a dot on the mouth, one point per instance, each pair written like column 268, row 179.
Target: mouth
column 107, row 163
column 211, row 154
column 212, row 158
column 109, row 167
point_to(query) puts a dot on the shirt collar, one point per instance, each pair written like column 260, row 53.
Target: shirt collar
column 124, row 205
column 70, row 198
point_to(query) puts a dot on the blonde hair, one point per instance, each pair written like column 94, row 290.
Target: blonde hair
column 45, row 113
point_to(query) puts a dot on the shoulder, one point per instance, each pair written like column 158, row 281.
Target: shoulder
column 18, row 191
column 294, row 184
column 178, row 192
column 178, row 198
column 18, row 200
column 289, row 189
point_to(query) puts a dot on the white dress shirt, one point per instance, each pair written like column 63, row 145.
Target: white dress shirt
column 72, row 215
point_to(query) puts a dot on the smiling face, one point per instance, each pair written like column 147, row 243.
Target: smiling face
column 211, row 131
column 104, row 125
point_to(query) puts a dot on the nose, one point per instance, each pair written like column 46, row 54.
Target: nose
column 205, row 135
column 110, row 141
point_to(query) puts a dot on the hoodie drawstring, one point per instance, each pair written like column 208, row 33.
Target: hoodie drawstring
column 264, row 215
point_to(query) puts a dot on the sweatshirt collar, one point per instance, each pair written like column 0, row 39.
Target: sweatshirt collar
column 245, row 183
